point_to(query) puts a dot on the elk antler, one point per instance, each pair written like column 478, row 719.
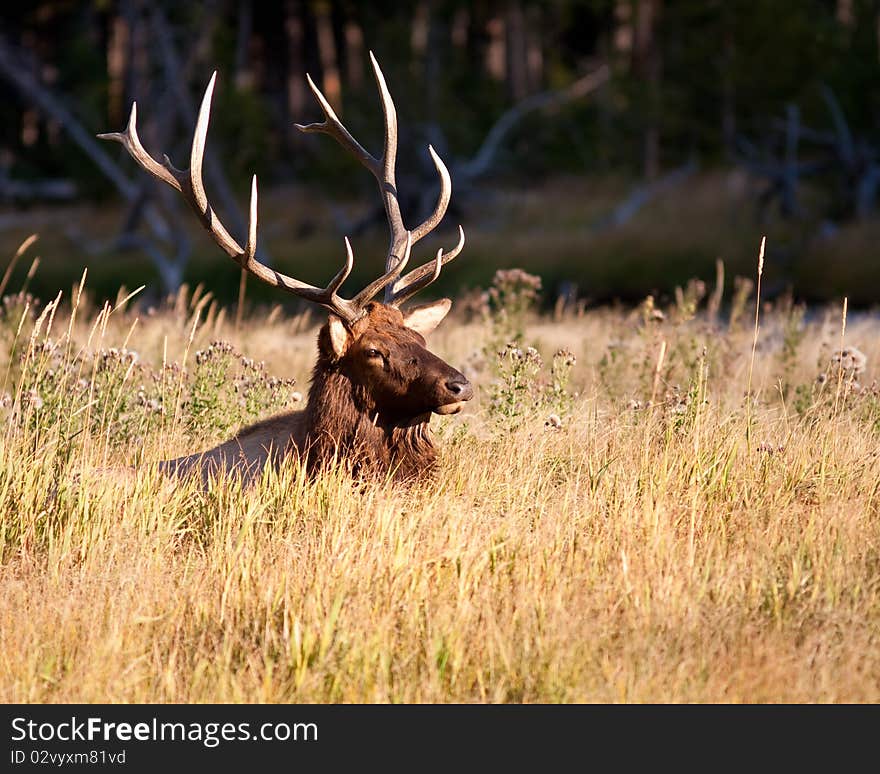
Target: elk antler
column 396, row 290
column 189, row 183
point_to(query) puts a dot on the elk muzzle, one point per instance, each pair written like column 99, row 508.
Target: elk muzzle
column 459, row 391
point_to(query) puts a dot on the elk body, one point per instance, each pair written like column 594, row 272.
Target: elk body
column 375, row 384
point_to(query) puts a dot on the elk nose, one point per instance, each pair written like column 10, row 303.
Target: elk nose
column 460, row 387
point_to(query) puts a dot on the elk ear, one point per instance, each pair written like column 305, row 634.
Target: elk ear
column 340, row 338
column 423, row 319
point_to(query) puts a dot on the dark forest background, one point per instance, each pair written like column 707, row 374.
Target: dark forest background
column 615, row 147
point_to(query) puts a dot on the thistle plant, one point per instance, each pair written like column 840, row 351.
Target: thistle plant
column 228, row 389
column 522, row 390
column 793, row 333
column 511, row 296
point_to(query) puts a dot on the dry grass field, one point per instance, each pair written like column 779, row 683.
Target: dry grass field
column 617, row 517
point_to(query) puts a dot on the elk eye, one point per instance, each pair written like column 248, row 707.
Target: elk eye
column 373, row 353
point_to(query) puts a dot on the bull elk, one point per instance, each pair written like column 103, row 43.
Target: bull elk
column 375, row 384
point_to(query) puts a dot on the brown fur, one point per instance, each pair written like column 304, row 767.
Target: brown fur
column 368, row 412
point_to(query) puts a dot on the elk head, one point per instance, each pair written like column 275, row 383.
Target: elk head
column 398, row 381
column 380, row 348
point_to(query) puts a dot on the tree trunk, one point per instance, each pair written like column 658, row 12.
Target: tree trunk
column 496, row 55
column 622, row 44
column 354, row 52
column 327, row 53
column 517, row 63
column 117, row 66
column 728, row 93
column 418, row 36
column 461, row 23
column 648, row 65
column 534, row 50
column 426, row 40
column 244, row 75
column 296, row 68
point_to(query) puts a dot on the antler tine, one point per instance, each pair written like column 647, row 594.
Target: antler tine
column 131, row 142
column 422, row 276
column 442, row 200
column 432, row 271
column 197, row 152
column 387, row 279
column 332, row 126
column 189, row 183
column 388, row 182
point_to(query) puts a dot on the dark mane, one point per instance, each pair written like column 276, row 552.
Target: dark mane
column 342, row 423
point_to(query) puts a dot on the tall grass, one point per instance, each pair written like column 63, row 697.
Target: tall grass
column 634, row 549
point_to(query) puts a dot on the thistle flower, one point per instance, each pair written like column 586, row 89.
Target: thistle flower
column 553, row 422
column 565, row 358
column 215, row 349
column 34, row 399
column 119, row 355
column 850, row 359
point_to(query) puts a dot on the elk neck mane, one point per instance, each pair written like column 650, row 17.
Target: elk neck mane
column 341, row 423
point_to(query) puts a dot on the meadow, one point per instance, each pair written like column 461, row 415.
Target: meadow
column 655, row 503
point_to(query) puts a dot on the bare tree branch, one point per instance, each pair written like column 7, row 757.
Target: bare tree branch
column 480, row 162
column 51, row 189
column 845, row 145
column 18, row 75
column 643, row 194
